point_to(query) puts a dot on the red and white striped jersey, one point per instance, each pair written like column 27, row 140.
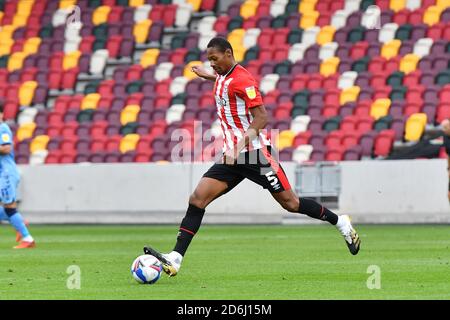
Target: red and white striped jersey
column 235, row 93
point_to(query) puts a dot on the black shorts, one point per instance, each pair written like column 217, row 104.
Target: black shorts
column 259, row 166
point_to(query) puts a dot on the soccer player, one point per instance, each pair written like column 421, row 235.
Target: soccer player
column 9, row 180
column 246, row 154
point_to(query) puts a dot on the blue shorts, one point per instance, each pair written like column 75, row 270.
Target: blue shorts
column 8, row 188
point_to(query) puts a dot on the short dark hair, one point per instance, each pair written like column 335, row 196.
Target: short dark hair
column 220, row 43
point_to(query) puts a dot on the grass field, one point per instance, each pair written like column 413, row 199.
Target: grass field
column 231, row 262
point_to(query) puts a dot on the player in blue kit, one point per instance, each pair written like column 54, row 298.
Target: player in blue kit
column 9, row 181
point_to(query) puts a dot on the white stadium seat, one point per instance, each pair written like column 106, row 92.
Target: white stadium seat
column 163, row 71
column 269, row 82
column 27, row 115
column 183, row 14
column 142, row 12
column 310, row 35
column 422, row 47
column 302, row 153
column 278, row 7
column 177, row 85
column 328, row 50
column 38, row 157
column 296, row 52
column 339, row 19
column 300, row 123
column 98, row 61
column 347, row 79
column 175, row 113
column 387, row 32
column 251, row 37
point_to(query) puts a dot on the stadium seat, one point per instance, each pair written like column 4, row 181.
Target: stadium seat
column 300, row 123
column 415, row 126
column 128, row 143
column 248, row 8
column 302, row 153
column 26, row 92
column 28, row 115
column 432, row 15
column 39, row 143
column 409, row 63
column 38, row 157
column 380, row 108
column 71, row 60
column 149, row 57
column 349, row 94
column 100, row 15
column 383, row 143
column 90, row 101
column 25, row 131
column 390, row 49
column 285, row 139
column 329, row 66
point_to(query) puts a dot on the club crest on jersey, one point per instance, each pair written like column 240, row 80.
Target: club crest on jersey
column 6, row 138
column 251, row 92
column 221, row 101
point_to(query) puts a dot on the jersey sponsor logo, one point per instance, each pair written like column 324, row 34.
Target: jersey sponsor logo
column 273, row 180
column 6, row 138
column 251, row 92
column 221, row 101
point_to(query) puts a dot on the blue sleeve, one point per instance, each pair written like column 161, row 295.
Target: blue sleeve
column 5, row 136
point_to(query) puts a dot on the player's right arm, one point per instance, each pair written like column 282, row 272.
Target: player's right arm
column 202, row 73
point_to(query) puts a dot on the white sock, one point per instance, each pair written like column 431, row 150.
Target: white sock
column 28, row 239
column 341, row 222
column 175, row 256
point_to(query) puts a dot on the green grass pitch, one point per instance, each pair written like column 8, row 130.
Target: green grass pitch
column 231, row 262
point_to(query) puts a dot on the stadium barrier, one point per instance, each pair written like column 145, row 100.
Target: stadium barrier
column 410, row 191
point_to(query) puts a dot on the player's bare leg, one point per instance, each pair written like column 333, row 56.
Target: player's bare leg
column 289, row 201
column 206, row 191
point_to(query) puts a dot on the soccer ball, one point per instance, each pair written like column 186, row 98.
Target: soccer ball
column 146, row 269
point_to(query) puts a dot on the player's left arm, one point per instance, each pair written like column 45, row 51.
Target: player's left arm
column 5, row 143
column 5, row 149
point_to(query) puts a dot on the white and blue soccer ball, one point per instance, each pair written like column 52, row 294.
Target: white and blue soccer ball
column 146, row 269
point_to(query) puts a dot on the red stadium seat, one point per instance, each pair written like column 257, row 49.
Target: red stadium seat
column 349, row 123
column 335, row 154
column 350, row 139
column 113, row 45
column 115, row 15
column 86, row 44
column 69, row 78
column 98, row 144
column 113, row 143
column 384, row 142
column 11, row 109
column 221, row 24
column 302, row 138
column 443, row 112
column 334, row 139
column 134, row 72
